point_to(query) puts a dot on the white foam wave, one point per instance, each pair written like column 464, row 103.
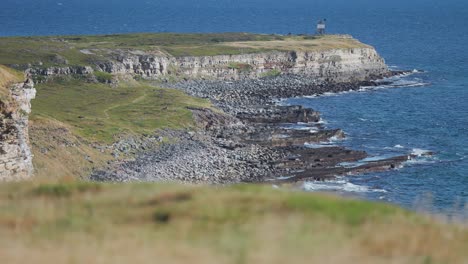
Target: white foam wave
column 335, row 139
column 313, row 130
column 420, row 152
column 398, row 146
column 401, row 80
column 322, row 121
column 377, row 158
column 302, row 126
column 299, row 127
column 421, row 157
column 318, row 145
column 340, row 185
column 350, row 164
column 284, row 177
column 419, row 161
column 365, row 161
column 396, row 84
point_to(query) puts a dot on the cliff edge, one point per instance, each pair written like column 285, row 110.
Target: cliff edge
column 15, row 153
column 227, row 56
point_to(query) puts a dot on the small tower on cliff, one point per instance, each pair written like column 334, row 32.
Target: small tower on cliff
column 321, row 27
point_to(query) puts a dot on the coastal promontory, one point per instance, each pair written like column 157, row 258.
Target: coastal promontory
column 119, row 121
column 118, row 100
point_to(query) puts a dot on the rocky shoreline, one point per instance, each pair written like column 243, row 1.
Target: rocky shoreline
column 252, row 139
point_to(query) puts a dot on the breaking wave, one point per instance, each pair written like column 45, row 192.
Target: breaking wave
column 339, row 185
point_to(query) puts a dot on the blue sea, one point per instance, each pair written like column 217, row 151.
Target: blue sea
column 427, row 111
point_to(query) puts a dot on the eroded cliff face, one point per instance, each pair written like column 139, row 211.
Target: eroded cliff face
column 338, row 65
column 333, row 65
column 15, row 153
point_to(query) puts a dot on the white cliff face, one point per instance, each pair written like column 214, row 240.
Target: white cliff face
column 147, row 65
column 61, row 70
column 15, row 153
column 338, row 65
column 333, row 65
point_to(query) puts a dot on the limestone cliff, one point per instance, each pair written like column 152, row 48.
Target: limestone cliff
column 15, row 153
column 338, row 63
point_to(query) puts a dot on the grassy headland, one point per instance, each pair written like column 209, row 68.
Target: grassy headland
column 84, row 50
column 80, row 113
column 107, row 223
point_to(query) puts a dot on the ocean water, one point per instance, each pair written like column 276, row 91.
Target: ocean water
column 427, row 111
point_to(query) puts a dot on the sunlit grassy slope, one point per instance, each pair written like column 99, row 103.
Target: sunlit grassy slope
column 153, row 223
column 71, row 115
column 98, row 112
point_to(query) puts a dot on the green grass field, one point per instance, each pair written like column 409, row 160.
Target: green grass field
column 99, row 112
column 79, row 222
column 24, row 50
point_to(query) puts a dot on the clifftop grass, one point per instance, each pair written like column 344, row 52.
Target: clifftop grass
column 83, row 50
column 7, row 77
column 301, row 43
column 99, row 112
column 79, row 222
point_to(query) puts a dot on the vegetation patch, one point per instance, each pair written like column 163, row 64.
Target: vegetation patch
column 207, row 50
column 350, row 211
column 271, row 73
column 242, row 67
column 99, row 113
column 103, row 77
column 66, row 189
column 335, row 58
column 8, row 76
column 60, row 153
column 162, row 216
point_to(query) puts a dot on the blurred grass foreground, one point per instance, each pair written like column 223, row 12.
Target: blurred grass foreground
column 83, row 222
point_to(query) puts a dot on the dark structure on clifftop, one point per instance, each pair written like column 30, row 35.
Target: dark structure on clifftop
column 321, row 27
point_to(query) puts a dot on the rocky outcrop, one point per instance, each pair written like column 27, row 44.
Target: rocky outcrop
column 336, row 65
column 350, row 64
column 52, row 71
column 15, row 153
